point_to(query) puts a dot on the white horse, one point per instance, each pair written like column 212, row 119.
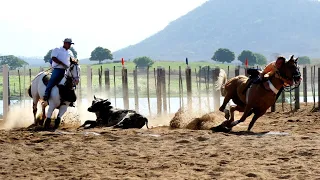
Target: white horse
column 37, row 89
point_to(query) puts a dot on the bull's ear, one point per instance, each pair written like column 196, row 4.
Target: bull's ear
column 106, row 102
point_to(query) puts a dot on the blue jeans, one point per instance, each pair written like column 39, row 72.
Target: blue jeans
column 56, row 76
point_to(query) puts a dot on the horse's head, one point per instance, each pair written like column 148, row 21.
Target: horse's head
column 73, row 73
column 290, row 71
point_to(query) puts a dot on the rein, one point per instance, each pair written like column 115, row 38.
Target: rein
column 69, row 71
column 288, row 88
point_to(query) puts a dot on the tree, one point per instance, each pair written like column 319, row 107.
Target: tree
column 100, row 54
column 12, row 61
column 47, row 57
column 304, row 60
column 143, row 62
column 246, row 54
column 223, row 55
column 261, row 59
column 74, row 52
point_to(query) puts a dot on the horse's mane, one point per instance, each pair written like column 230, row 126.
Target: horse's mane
column 221, row 79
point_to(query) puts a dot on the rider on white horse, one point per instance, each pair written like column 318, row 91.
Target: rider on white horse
column 60, row 62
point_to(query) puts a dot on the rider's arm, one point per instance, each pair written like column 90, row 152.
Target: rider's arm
column 54, row 55
column 266, row 70
column 56, row 60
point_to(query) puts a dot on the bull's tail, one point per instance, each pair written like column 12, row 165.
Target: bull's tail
column 146, row 120
column 29, row 91
column 221, row 81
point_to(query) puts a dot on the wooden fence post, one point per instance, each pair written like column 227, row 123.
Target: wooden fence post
column 135, row 84
column 297, row 98
column 100, row 79
column 164, row 91
column 20, row 94
column 237, row 71
column 319, row 88
column 189, row 88
column 228, row 74
column 305, row 84
column 169, row 84
column 158, row 91
column 207, row 80
column 5, row 75
column 180, row 93
column 125, row 90
column 283, row 96
column 114, row 86
column 216, row 93
column 199, row 88
column 24, row 86
column 107, row 82
column 148, row 90
column 89, row 83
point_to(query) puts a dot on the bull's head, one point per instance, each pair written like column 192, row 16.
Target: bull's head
column 99, row 104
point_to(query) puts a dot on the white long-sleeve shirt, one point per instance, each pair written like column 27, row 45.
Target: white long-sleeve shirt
column 63, row 55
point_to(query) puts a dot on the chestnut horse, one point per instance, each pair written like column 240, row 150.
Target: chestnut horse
column 258, row 98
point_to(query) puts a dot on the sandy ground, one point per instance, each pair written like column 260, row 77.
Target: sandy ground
column 163, row 153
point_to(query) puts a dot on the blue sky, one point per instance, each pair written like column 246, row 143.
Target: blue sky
column 31, row 28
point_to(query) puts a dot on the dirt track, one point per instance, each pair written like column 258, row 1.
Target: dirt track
column 161, row 153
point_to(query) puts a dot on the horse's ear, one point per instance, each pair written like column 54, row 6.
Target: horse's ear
column 94, row 96
column 296, row 59
column 291, row 58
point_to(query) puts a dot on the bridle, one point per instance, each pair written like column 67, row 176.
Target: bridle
column 71, row 77
column 295, row 78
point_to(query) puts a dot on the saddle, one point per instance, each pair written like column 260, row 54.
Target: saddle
column 66, row 93
column 254, row 78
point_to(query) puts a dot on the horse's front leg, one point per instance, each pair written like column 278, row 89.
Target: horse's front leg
column 52, row 107
column 247, row 112
column 63, row 109
column 255, row 118
column 233, row 108
column 226, row 100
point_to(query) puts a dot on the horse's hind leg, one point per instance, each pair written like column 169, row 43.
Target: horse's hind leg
column 43, row 117
column 35, row 109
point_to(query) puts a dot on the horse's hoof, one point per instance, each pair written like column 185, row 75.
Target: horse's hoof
column 221, row 128
column 47, row 124
column 57, row 123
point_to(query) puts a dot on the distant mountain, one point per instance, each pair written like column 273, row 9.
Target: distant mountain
column 264, row 26
column 34, row 61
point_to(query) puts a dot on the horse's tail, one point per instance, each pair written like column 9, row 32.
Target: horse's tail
column 29, row 91
column 221, row 81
